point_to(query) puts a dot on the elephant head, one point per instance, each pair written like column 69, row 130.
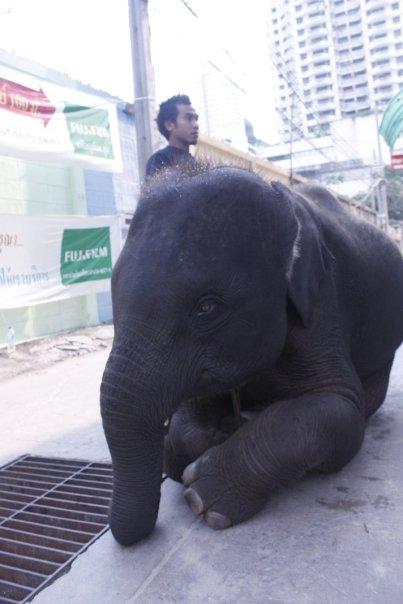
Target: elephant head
column 201, row 294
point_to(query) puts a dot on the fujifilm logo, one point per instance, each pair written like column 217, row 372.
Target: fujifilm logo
column 76, row 255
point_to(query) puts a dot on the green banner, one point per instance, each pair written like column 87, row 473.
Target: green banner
column 86, row 255
column 89, row 130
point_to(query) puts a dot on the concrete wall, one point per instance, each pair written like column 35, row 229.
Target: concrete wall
column 28, row 187
column 108, row 193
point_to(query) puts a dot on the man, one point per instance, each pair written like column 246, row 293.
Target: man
column 178, row 123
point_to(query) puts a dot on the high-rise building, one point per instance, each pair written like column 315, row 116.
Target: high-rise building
column 333, row 59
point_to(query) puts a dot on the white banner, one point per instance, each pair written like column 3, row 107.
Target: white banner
column 44, row 121
column 47, row 258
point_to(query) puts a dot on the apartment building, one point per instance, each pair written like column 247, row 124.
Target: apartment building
column 333, row 59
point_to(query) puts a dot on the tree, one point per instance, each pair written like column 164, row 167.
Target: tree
column 394, row 187
column 394, row 191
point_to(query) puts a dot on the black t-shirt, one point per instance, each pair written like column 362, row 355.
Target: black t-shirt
column 168, row 157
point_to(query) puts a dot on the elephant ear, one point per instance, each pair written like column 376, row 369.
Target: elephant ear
column 309, row 259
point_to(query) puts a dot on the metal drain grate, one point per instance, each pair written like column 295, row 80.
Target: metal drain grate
column 50, row 511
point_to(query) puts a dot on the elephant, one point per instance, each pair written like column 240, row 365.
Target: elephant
column 230, row 284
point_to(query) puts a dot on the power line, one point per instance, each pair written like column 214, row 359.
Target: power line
column 273, row 53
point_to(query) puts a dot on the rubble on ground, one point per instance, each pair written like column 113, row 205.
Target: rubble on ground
column 43, row 352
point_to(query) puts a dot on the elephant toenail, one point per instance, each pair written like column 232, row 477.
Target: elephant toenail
column 217, row 521
column 189, row 474
column 194, row 501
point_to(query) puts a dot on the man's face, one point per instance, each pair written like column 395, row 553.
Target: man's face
column 186, row 129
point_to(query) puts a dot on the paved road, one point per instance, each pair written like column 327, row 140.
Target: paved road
column 330, row 539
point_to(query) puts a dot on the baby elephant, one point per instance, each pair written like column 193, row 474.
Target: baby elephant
column 228, row 283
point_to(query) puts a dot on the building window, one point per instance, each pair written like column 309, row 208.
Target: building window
column 379, row 49
column 377, row 36
column 318, row 39
column 372, row 11
column 318, row 13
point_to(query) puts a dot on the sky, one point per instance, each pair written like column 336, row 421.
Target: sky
column 90, row 40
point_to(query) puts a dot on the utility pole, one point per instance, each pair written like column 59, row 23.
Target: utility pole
column 143, row 77
column 381, row 189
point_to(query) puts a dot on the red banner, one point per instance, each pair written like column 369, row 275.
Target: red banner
column 26, row 101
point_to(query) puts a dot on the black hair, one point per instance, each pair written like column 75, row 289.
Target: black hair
column 169, row 111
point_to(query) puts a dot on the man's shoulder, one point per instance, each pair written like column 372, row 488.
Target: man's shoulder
column 161, row 153
column 157, row 160
column 167, row 157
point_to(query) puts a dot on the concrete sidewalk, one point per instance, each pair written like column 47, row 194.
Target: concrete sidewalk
column 328, row 539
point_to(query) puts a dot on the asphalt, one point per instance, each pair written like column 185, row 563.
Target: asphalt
column 329, row 539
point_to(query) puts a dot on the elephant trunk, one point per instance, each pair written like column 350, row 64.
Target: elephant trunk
column 136, row 448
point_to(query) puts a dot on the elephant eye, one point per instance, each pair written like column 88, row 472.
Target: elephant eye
column 205, row 307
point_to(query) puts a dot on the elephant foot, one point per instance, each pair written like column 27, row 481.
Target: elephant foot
column 174, row 464
column 182, row 447
column 211, row 496
column 215, row 520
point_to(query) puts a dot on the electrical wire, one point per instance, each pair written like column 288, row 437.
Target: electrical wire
column 315, row 114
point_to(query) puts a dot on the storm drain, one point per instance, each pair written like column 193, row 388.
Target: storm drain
column 50, row 511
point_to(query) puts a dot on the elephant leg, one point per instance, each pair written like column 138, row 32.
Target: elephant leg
column 232, row 481
column 375, row 387
column 195, row 427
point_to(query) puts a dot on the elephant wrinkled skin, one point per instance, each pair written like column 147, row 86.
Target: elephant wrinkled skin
column 227, row 282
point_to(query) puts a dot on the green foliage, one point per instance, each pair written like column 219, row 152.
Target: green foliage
column 394, row 181
column 394, row 188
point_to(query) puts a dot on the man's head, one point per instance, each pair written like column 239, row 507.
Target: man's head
column 177, row 121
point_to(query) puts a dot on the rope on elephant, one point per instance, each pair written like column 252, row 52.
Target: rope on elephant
column 236, row 405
